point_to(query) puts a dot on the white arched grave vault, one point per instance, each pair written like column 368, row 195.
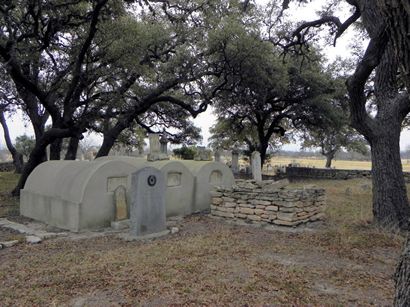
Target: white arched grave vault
column 74, row 195
column 78, row 195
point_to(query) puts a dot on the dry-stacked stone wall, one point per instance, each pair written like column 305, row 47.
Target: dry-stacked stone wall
column 295, row 173
column 269, row 202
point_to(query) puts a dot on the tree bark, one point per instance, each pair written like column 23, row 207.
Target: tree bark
column 17, row 157
column 107, row 144
column 38, row 117
column 55, row 149
column 36, row 156
column 329, row 158
column 72, row 149
column 110, row 136
column 402, row 278
column 390, row 204
column 263, row 148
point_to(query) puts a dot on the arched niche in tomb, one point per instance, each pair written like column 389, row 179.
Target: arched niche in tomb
column 207, row 175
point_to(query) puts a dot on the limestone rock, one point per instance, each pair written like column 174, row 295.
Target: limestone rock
column 241, row 216
column 223, row 209
column 33, row 240
column 259, row 211
column 276, row 185
column 285, row 223
column 217, row 200
column 9, row 243
column 120, row 225
column 229, row 205
column 247, row 211
column 174, row 230
column 260, row 202
column 286, row 216
column 254, row 217
column 215, row 194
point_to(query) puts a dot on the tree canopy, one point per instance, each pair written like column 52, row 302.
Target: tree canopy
column 264, row 94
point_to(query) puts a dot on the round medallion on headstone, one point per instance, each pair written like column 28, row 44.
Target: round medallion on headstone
column 152, row 180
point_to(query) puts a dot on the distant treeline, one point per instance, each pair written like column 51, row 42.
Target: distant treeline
column 343, row 155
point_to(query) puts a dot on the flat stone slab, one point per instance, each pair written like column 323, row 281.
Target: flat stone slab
column 9, row 243
column 120, row 225
column 130, row 237
column 30, row 230
column 33, row 239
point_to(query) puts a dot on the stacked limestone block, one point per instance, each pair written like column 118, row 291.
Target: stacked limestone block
column 269, row 202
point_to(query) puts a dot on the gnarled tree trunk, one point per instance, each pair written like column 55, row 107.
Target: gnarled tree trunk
column 110, row 136
column 72, row 149
column 17, row 157
column 329, row 158
column 37, row 154
column 38, row 117
column 390, row 205
column 402, row 278
column 55, row 149
column 263, row 148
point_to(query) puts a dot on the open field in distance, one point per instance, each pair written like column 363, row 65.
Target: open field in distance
column 339, row 164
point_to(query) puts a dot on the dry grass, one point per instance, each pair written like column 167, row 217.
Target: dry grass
column 339, row 164
column 346, row 261
column 8, row 204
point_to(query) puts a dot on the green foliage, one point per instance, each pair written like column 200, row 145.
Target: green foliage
column 263, row 96
column 333, row 132
column 131, row 139
column 24, row 144
column 185, row 152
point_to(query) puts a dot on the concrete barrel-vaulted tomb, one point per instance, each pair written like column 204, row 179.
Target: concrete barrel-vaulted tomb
column 74, row 195
column 208, row 174
column 79, row 195
column 179, row 182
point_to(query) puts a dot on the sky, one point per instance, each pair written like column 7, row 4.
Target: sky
column 17, row 126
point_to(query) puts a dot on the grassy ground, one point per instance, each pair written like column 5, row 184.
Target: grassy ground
column 346, row 261
column 339, row 164
column 8, row 204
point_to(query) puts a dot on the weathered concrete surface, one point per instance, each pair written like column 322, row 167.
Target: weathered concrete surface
column 179, row 182
column 207, row 176
column 74, row 195
column 147, row 210
column 256, row 166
